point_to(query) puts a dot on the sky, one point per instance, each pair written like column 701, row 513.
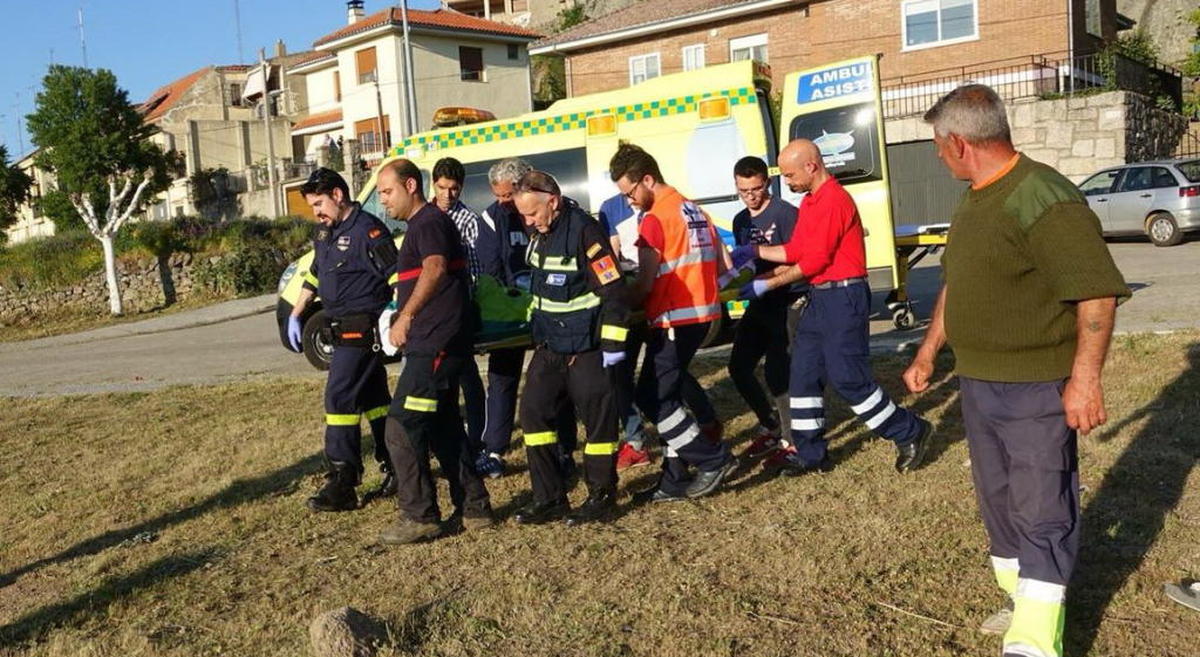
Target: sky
column 148, row 43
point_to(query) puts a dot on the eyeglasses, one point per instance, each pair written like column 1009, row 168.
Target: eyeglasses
column 629, row 194
column 753, row 190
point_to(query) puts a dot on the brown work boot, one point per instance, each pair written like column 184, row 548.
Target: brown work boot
column 405, row 532
column 477, row 520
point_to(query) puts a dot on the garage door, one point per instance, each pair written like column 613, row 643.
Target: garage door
column 923, row 192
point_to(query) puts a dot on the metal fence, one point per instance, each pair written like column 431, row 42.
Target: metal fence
column 1038, row 76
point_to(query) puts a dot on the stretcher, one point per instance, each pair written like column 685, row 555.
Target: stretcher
column 913, row 244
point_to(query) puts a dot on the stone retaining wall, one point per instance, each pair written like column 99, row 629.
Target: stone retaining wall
column 142, row 288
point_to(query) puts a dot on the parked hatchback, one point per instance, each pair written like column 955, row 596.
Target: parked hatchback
column 1158, row 199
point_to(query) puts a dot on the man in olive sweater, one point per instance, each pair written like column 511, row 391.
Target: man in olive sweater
column 1028, row 307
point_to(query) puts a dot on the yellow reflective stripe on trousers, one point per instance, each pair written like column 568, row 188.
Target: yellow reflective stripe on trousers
column 614, row 333
column 420, row 404
column 539, row 438
column 1038, row 618
column 600, row 449
column 1007, row 571
column 376, row 413
column 341, row 419
column 589, row 300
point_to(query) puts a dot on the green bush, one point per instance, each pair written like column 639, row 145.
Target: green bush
column 46, row 262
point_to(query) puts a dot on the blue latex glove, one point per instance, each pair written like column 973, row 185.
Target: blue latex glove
column 611, row 358
column 293, row 332
column 754, row 289
column 741, row 255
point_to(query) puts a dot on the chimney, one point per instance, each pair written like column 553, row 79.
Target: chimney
column 280, row 49
column 354, row 11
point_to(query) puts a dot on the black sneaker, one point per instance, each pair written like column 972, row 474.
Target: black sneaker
column 541, row 513
column 707, row 482
column 595, row 508
column 794, row 466
column 911, row 455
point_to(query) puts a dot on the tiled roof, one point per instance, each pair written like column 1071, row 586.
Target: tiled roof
column 165, row 97
column 646, row 12
column 438, row 19
column 310, row 57
column 332, row 116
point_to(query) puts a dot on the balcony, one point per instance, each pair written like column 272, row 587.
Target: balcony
column 506, row 11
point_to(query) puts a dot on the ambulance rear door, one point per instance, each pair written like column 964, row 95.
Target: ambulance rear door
column 839, row 108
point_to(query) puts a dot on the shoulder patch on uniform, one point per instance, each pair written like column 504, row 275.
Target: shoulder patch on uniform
column 593, row 250
column 606, row 270
column 1037, row 192
column 374, row 232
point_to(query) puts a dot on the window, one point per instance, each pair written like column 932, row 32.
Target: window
column 337, row 86
column 1190, row 170
column 235, row 95
column 643, row 67
column 1163, row 178
column 847, row 139
column 748, row 47
column 366, row 65
column 514, row 52
column 939, row 22
column 470, row 63
column 367, row 134
column 1101, row 183
column 570, row 168
column 1092, row 20
column 693, row 57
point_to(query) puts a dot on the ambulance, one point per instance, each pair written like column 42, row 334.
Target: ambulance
column 697, row 124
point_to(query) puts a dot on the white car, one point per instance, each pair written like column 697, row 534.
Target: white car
column 1158, row 199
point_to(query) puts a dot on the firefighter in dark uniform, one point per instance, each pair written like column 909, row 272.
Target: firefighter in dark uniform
column 434, row 327
column 578, row 322
column 354, row 257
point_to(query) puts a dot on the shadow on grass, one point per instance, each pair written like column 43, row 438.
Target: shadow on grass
column 238, row 492
column 1124, row 517
column 95, row 602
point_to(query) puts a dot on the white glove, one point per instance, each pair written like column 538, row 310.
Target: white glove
column 385, row 327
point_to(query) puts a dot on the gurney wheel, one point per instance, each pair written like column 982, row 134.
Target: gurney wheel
column 903, row 318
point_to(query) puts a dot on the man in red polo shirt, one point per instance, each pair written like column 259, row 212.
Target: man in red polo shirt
column 830, row 344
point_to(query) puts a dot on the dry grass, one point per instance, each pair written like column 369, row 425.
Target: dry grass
column 172, row 523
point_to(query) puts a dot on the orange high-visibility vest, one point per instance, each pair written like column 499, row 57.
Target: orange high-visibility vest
column 685, row 290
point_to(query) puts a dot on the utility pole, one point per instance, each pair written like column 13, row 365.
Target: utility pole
column 383, row 136
column 410, row 82
column 82, row 42
column 237, row 19
column 266, row 108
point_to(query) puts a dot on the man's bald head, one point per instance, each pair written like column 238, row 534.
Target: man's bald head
column 801, row 165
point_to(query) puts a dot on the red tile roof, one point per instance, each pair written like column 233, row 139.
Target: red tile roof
column 637, row 15
column 332, row 116
column 310, row 57
column 444, row 19
column 165, row 97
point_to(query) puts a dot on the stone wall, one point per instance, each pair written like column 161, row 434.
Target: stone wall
column 142, row 288
column 1081, row 134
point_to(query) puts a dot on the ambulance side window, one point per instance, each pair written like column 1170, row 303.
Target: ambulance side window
column 569, row 167
column 371, row 204
column 848, row 139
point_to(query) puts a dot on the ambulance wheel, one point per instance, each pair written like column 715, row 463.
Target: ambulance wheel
column 903, row 318
column 317, row 350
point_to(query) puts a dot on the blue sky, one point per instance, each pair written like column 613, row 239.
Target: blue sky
column 148, row 43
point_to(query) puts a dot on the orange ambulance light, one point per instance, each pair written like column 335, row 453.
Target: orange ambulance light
column 451, row 116
column 713, row 109
column 605, row 124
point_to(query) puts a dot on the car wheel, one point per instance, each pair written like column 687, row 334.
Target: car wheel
column 317, row 348
column 1162, row 229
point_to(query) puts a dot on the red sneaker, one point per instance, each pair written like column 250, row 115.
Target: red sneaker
column 765, row 443
column 778, row 459
column 629, row 457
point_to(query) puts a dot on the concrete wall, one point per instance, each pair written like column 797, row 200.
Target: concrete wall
column 504, row 90
column 1080, row 135
column 800, row 37
column 321, row 93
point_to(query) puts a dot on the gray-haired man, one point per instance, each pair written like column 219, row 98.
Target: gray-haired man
column 1028, row 307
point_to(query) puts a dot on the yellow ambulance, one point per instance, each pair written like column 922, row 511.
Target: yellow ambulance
column 697, row 124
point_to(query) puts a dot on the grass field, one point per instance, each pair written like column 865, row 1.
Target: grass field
column 173, row 523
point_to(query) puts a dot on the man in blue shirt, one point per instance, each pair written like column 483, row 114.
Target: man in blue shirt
column 762, row 331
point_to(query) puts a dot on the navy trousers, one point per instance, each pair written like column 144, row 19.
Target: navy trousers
column 357, row 386
column 490, row 414
column 660, row 396
column 830, row 346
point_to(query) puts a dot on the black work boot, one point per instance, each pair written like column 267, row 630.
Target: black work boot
column 537, row 513
column 595, row 508
column 387, row 487
column 911, row 455
column 338, row 492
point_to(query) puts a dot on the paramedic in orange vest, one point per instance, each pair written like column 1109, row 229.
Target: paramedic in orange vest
column 680, row 258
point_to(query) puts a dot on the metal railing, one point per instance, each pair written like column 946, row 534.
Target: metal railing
column 1189, row 146
column 1038, row 76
